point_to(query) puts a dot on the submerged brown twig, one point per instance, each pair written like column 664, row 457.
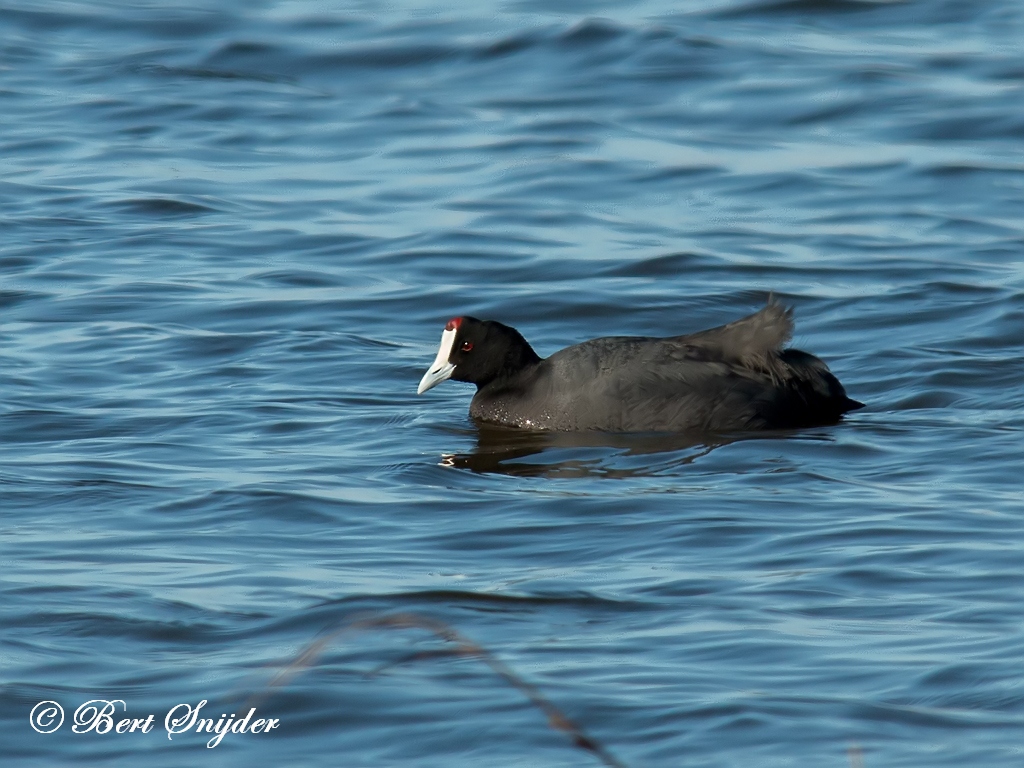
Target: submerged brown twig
column 464, row 647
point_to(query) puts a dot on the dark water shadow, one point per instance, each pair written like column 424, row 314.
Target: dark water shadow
column 521, row 453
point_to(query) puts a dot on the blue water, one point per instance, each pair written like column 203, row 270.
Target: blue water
column 231, row 235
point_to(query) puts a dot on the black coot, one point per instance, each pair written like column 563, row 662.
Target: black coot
column 735, row 377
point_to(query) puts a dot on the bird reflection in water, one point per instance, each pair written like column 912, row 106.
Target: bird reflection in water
column 579, row 454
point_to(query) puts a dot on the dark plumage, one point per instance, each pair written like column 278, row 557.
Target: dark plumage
column 736, row 377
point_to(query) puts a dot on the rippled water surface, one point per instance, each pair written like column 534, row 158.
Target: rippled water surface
column 232, row 233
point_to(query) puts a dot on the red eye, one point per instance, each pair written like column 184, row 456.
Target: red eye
column 467, row 346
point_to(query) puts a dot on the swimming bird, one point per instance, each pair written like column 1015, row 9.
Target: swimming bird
column 736, row 377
